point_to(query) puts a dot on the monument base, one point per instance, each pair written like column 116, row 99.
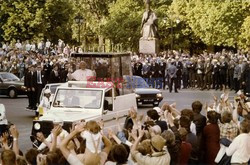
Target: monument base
column 149, row 46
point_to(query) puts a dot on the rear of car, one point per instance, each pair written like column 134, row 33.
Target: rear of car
column 11, row 85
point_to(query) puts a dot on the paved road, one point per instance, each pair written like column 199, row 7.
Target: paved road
column 23, row 119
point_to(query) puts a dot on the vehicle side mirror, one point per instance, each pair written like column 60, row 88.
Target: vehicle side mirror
column 105, row 112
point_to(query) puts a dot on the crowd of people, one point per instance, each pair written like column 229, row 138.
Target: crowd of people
column 203, row 71
column 164, row 71
column 164, row 136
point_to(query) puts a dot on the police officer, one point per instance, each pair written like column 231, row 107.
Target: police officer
column 185, row 73
column 191, row 72
column 223, row 72
column 207, row 74
column 172, row 71
column 200, row 70
column 216, row 74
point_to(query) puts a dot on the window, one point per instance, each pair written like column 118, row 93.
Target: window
column 78, row 98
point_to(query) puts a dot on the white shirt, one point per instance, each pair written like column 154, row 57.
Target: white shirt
column 27, row 47
column 45, row 103
column 47, row 44
column 89, row 142
column 62, row 135
column 82, row 75
column 239, row 149
column 18, row 45
column 193, row 128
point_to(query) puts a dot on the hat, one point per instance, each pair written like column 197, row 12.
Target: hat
column 156, row 129
column 47, row 91
column 239, row 93
column 58, row 120
column 158, row 142
column 158, row 110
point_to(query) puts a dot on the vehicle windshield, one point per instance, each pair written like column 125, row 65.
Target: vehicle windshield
column 9, row 77
column 78, row 98
column 136, row 82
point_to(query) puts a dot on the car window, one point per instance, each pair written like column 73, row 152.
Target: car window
column 135, row 82
column 53, row 88
column 140, row 83
column 78, row 98
column 9, row 77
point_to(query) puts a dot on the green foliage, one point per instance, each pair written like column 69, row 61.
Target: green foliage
column 123, row 23
column 212, row 22
column 36, row 19
column 216, row 22
column 58, row 18
column 244, row 38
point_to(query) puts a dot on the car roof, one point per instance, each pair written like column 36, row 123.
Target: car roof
column 5, row 73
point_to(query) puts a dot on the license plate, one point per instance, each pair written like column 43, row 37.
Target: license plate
column 149, row 100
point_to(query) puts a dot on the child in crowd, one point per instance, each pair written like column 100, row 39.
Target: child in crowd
column 93, row 137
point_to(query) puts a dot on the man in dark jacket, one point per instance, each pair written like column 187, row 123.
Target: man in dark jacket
column 31, row 87
column 41, row 82
column 172, row 70
column 200, row 122
column 246, row 79
column 54, row 75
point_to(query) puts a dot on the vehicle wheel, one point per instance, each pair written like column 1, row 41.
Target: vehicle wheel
column 12, row 93
column 155, row 104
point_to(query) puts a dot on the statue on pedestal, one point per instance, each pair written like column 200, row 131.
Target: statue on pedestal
column 149, row 23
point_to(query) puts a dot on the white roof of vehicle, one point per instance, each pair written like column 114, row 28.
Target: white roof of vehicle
column 91, row 84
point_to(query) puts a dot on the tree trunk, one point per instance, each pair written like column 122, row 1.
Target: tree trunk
column 210, row 48
column 100, row 45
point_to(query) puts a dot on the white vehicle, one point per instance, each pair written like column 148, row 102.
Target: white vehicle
column 85, row 101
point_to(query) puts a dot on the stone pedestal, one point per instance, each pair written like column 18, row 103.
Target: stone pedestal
column 149, row 46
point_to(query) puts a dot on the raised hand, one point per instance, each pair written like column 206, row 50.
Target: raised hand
column 14, row 132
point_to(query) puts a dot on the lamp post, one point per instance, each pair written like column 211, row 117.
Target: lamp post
column 79, row 21
column 172, row 32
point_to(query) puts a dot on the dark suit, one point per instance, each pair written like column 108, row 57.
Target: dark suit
column 40, row 84
column 138, row 69
column 172, row 70
column 47, row 70
column 64, row 75
column 53, row 78
column 208, row 75
column 32, row 84
column 223, row 73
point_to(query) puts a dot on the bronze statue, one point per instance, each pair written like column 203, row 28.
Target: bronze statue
column 149, row 23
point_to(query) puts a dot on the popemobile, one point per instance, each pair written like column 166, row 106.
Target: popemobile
column 102, row 100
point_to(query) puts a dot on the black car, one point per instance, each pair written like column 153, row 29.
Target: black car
column 144, row 94
column 11, row 85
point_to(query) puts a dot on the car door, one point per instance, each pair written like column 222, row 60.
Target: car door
column 3, row 86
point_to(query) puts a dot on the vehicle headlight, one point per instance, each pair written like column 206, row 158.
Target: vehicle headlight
column 24, row 88
column 37, row 126
column 159, row 95
column 137, row 96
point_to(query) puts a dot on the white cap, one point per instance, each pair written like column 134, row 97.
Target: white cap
column 47, row 91
column 239, row 93
column 58, row 120
column 157, row 109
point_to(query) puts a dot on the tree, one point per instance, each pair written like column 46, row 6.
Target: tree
column 37, row 19
column 216, row 22
column 57, row 20
column 21, row 19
